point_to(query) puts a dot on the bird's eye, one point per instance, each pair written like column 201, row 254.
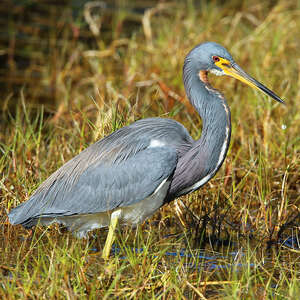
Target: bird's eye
column 216, row 58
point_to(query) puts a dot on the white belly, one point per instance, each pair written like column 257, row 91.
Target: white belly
column 133, row 214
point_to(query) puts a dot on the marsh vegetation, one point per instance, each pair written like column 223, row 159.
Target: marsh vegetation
column 71, row 74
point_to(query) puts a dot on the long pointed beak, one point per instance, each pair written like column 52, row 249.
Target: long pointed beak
column 237, row 72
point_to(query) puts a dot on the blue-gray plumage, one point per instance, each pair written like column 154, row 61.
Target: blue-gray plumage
column 138, row 168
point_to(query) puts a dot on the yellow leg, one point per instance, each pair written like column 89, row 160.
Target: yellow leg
column 111, row 236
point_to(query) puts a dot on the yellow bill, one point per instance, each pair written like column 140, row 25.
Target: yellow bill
column 234, row 70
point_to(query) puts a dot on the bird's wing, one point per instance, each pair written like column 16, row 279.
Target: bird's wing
column 103, row 186
column 121, row 169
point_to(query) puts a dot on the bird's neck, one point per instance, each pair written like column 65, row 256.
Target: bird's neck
column 208, row 153
column 214, row 141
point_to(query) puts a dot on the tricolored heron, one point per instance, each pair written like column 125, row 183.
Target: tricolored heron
column 131, row 173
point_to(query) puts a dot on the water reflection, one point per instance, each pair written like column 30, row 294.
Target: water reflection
column 192, row 260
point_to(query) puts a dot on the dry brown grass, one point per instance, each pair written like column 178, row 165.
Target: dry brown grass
column 93, row 84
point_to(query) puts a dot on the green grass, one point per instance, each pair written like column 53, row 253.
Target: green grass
column 238, row 220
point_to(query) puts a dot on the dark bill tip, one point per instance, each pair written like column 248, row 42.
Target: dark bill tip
column 242, row 75
column 269, row 92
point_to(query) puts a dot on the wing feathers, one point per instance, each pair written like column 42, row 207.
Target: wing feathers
column 118, row 170
column 101, row 187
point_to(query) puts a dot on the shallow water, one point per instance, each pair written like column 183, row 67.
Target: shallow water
column 207, row 260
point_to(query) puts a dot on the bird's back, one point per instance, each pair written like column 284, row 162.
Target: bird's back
column 119, row 170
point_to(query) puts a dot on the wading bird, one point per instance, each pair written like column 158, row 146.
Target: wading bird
column 132, row 172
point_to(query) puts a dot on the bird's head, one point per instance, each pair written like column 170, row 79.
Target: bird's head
column 214, row 58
